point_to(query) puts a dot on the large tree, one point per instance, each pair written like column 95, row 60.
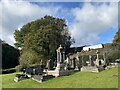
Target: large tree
column 43, row 37
column 116, row 39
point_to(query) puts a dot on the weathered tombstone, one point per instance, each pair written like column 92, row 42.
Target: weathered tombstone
column 38, row 78
column 38, row 70
column 29, row 71
column 20, row 77
column 48, row 65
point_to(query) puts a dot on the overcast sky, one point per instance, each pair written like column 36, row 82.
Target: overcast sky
column 89, row 23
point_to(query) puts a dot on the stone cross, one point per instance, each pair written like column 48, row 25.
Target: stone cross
column 60, row 57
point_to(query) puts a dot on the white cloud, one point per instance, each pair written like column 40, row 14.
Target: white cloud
column 92, row 20
column 88, row 22
column 17, row 13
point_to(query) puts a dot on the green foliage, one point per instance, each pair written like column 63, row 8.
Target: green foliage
column 29, row 57
column 117, row 37
column 42, row 37
column 10, row 56
column 113, row 55
column 19, row 68
column 45, row 23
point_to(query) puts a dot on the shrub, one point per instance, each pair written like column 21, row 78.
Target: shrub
column 19, row 68
column 113, row 55
column 29, row 58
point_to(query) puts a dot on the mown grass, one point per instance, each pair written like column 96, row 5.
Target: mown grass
column 104, row 79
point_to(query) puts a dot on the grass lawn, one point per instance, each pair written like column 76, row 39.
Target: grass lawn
column 104, row 79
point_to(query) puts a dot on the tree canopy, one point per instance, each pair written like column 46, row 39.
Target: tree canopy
column 43, row 37
column 117, row 37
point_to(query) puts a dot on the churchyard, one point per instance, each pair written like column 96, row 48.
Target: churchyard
column 60, row 45
column 69, row 72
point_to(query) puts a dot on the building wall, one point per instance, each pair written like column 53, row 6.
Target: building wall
column 92, row 47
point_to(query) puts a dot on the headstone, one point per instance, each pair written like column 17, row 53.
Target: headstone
column 38, row 78
column 29, row 71
column 38, row 70
column 19, row 77
column 48, row 65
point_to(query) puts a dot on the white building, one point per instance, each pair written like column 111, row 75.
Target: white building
column 87, row 48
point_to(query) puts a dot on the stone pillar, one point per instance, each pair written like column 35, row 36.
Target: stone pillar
column 72, row 66
column 74, row 63
column 91, row 60
column 97, row 56
column 83, row 61
column 77, row 56
column 104, row 58
column 60, row 57
column 97, row 60
column 63, row 56
column 70, row 62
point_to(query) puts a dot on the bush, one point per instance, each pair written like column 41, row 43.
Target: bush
column 113, row 55
column 19, row 68
column 29, row 58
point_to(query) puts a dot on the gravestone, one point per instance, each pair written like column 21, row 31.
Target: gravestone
column 48, row 64
column 36, row 70
column 20, row 77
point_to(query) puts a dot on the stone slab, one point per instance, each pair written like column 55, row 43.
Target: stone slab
column 58, row 73
column 89, row 69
